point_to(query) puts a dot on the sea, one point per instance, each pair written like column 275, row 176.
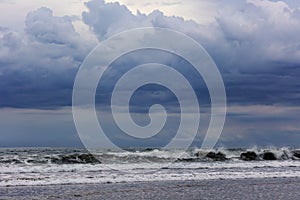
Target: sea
column 65, row 166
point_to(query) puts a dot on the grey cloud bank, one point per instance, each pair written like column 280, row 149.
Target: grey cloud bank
column 255, row 44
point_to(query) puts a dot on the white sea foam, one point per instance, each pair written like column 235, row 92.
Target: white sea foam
column 47, row 173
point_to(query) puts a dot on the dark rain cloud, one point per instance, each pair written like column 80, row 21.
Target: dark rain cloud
column 255, row 45
column 38, row 66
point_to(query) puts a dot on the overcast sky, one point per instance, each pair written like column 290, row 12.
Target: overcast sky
column 255, row 44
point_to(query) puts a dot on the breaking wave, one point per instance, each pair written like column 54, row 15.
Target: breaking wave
column 43, row 166
column 79, row 156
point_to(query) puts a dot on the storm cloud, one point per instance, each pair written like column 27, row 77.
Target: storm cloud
column 38, row 65
column 254, row 43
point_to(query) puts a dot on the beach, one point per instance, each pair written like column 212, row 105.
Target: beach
column 246, row 189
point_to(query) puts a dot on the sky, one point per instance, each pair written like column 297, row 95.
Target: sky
column 254, row 43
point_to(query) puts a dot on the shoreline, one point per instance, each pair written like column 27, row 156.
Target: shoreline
column 252, row 188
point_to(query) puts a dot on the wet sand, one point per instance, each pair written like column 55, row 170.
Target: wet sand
column 246, row 189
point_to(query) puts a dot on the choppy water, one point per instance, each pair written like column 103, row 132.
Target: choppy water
column 46, row 166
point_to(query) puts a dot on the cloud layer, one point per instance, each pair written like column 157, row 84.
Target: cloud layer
column 38, row 65
column 254, row 43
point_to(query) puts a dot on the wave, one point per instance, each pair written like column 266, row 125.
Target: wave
column 76, row 166
column 147, row 155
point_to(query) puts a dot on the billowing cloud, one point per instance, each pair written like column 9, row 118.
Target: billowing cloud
column 246, row 34
column 254, row 43
column 38, row 65
column 261, row 33
column 106, row 19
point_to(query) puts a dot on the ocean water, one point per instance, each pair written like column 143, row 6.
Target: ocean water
column 56, row 166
